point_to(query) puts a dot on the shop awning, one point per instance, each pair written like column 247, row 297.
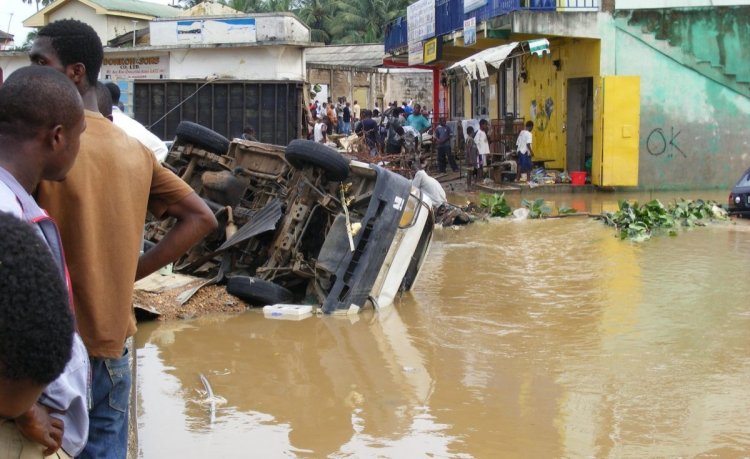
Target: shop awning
column 475, row 66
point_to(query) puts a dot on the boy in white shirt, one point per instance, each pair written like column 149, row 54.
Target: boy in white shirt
column 483, row 143
column 525, row 153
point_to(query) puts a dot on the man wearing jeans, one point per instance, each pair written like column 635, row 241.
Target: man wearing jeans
column 443, row 137
column 101, row 208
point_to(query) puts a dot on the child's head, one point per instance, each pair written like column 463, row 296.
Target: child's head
column 36, row 325
column 484, row 125
column 529, row 125
column 470, row 131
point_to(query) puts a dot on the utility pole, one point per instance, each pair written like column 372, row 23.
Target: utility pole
column 134, row 24
column 8, row 29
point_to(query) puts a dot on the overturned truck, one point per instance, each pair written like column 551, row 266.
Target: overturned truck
column 301, row 224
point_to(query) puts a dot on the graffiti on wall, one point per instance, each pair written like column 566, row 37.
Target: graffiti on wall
column 542, row 117
column 658, row 143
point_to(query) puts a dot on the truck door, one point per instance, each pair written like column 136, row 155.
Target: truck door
column 617, row 109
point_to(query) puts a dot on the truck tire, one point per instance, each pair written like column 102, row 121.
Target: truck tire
column 203, row 137
column 256, row 291
column 301, row 153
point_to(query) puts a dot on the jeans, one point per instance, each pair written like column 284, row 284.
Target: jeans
column 346, row 127
column 108, row 417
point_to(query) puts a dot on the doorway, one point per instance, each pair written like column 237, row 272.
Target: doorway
column 580, row 146
column 361, row 95
column 480, row 99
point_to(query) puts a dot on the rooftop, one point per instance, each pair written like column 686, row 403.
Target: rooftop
column 368, row 55
column 126, row 8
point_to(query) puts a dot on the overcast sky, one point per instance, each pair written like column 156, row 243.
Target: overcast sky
column 14, row 12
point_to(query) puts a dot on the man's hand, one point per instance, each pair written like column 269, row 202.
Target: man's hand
column 194, row 221
column 38, row 426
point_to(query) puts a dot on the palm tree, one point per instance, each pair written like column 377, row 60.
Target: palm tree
column 38, row 2
column 363, row 21
column 246, row 6
column 190, row 3
column 319, row 16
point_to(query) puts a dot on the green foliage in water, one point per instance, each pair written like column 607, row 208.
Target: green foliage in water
column 495, row 203
column 639, row 222
column 537, row 209
column 565, row 210
column 691, row 213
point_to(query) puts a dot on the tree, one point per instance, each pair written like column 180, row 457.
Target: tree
column 190, row 3
column 246, row 6
column 363, row 21
column 38, row 2
column 319, row 16
column 262, row 6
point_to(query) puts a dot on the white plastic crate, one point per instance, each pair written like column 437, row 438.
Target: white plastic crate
column 287, row 311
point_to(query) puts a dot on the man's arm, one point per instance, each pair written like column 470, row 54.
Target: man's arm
column 38, row 426
column 194, row 221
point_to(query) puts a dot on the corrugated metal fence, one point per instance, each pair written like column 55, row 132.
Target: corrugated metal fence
column 273, row 109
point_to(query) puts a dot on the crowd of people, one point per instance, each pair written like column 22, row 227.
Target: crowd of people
column 74, row 193
column 380, row 128
column 383, row 134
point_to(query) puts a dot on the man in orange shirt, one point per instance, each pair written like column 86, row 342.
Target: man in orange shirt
column 101, row 208
column 332, row 118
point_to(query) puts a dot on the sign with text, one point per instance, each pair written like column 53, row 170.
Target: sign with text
column 147, row 67
column 432, row 50
column 470, row 31
column 420, row 17
column 416, row 54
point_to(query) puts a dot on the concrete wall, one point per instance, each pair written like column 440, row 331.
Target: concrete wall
column 345, row 82
column 11, row 61
column 385, row 84
column 83, row 13
column 107, row 27
column 117, row 26
column 409, row 84
column 273, row 28
column 693, row 131
column 252, row 63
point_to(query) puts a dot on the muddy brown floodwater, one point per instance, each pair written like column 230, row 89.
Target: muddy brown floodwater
column 521, row 339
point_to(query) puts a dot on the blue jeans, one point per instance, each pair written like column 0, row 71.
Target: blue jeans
column 108, row 417
column 346, row 127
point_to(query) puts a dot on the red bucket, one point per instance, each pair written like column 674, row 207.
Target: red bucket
column 578, row 178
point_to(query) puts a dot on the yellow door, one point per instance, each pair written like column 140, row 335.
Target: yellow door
column 360, row 95
column 617, row 111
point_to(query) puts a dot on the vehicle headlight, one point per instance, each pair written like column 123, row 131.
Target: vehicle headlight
column 410, row 211
column 737, row 199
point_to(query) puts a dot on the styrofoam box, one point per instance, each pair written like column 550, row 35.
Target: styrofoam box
column 291, row 311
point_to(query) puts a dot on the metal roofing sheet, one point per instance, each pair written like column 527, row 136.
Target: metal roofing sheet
column 136, row 6
column 348, row 55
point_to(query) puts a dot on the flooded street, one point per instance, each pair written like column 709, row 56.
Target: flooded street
column 521, row 339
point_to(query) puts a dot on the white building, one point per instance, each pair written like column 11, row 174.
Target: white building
column 224, row 72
